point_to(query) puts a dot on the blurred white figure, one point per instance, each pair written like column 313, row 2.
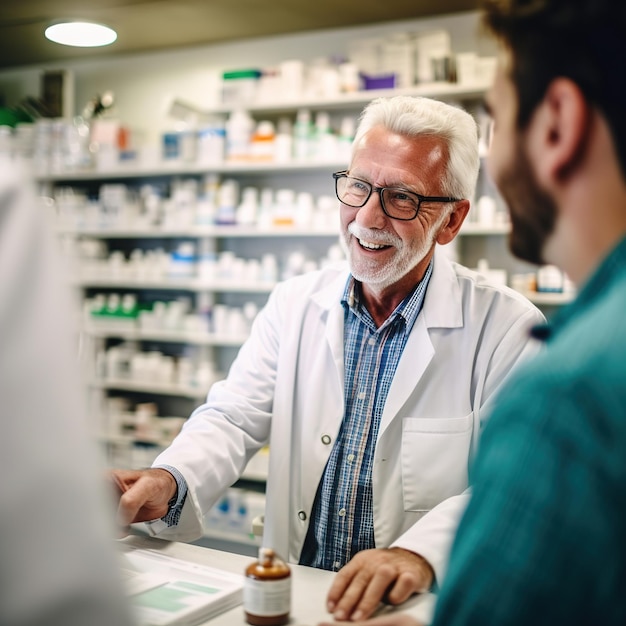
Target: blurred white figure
column 57, row 556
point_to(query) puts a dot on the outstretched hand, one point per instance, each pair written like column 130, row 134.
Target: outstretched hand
column 389, row 575
column 143, row 495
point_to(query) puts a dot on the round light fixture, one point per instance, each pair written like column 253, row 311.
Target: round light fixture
column 81, row 34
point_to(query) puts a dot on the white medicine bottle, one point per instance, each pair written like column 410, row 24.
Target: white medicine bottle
column 239, row 129
column 267, row 590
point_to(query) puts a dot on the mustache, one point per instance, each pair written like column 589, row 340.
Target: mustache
column 374, row 236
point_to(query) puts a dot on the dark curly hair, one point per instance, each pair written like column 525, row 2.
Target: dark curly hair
column 583, row 40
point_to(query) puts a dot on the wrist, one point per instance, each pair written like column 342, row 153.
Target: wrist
column 172, row 486
column 427, row 573
column 429, row 576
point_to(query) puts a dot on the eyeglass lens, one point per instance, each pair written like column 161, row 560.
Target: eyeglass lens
column 397, row 203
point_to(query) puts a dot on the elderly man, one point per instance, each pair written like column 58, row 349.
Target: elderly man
column 370, row 382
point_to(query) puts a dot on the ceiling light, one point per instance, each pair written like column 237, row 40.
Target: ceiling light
column 82, row 34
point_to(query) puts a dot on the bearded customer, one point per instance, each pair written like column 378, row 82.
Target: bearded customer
column 370, row 381
column 542, row 541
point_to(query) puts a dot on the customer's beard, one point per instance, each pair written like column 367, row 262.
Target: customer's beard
column 533, row 212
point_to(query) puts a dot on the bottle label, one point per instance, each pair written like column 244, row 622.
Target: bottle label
column 267, row 597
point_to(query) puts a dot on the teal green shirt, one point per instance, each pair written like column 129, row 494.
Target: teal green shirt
column 543, row 540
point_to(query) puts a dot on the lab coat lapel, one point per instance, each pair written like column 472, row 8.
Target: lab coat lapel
column 442, row 309
column 415, row 358
column 329, row 302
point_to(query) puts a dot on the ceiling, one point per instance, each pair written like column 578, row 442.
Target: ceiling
column 148, row 25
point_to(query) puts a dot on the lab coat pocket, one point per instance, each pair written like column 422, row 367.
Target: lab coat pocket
column 435, row 454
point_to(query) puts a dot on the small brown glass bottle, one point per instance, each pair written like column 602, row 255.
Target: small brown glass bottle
column 267, row 590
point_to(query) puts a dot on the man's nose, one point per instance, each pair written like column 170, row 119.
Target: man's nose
column 371, row 214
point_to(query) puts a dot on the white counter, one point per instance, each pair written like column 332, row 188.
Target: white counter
column 309, row 585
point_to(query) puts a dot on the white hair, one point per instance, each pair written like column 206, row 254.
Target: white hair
column 413, row 116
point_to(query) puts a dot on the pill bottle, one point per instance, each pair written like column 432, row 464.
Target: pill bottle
column 267, row 590
column 263, row 142
column 239, row 129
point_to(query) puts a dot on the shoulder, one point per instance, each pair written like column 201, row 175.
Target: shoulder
column 476, row 285
column 592, row 344
column 460, row 295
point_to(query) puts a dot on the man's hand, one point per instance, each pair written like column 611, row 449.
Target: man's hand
column 393, row 619
column 391, row 575
column 143, row 495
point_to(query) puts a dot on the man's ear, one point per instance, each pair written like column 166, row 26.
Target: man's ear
column 454, row 222
column 557, row 133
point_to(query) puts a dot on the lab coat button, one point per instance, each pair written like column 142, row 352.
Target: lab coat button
column 326, row 439
column 302, row 515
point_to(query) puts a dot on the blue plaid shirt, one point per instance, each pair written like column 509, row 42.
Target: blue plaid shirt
column 342, row 521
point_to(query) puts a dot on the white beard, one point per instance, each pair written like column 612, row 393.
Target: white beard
column 407, row 255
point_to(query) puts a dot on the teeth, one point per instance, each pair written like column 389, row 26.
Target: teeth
column 371, row 246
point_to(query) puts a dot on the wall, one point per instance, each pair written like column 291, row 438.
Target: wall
column 146, row 84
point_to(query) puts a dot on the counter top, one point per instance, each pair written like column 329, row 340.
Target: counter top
column 309, row 585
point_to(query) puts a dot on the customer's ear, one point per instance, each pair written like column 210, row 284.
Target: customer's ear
column 557, row 132
column 455, row 220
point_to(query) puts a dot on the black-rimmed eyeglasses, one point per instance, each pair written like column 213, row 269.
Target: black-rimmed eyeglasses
column 397, row 203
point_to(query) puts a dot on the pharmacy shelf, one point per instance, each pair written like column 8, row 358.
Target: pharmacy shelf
column 473, row 229
column 255, row 472
column 177, row 168
column 539, row 298
column 234, row 237
column 468, row 228
column 357, row 99
column 346, row 101
column 199, row 232
column 165, row 336
column 163, row 389
column 176, row 285
column 118, row 438
column 548, row 298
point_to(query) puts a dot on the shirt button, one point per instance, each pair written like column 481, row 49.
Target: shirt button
column 350, row 458
column 302, row 515
column 371, row 341
column 326, row 439
column 361, row 395
column 342, row 512
column 336, row 565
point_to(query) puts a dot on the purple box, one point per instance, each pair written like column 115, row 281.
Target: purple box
column 380, row 81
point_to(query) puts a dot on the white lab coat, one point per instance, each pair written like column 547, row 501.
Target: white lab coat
column 286, row 386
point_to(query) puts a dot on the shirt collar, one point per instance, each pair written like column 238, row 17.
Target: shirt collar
column 408, row 309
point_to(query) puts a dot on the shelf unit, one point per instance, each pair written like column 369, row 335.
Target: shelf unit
column 358, row 99
column 166, row 336
column 175, row 285
column 168, row 169
column 311, row 176
column 549, row 299
column 199, row 231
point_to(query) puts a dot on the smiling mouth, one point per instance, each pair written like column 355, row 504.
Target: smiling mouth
column 368, row 245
